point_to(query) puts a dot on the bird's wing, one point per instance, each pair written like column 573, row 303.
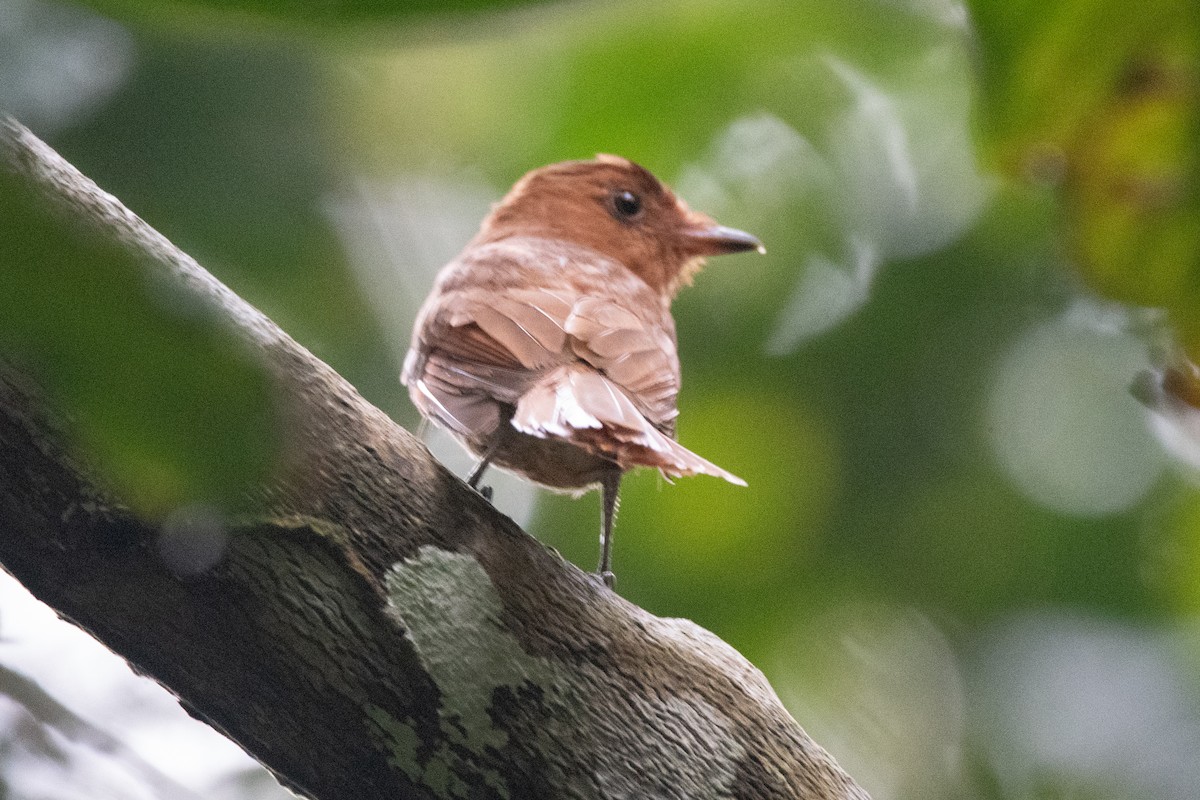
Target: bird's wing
column 501, row 343
column 475, row 351
column 608, row 379
column 579, row 368
column 641, row 359
column 575, row 403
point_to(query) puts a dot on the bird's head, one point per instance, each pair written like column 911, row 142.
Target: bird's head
column 621, row 210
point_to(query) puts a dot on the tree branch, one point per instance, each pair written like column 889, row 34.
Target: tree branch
column 372, row 628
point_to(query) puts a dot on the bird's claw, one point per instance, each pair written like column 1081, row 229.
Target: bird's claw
column 486, row 491
column 607, row 577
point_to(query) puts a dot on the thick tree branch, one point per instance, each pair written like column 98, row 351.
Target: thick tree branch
column 374, row 629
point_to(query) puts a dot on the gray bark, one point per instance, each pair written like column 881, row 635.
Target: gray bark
column 374, row 629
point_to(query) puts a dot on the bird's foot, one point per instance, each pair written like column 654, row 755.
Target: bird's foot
column 607, row 577
column 486, row 491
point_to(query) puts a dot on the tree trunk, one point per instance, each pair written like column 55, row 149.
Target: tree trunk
column 373, row 628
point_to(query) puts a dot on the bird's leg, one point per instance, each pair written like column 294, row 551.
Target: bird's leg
column 480, row 468
column 609, row 486
column 485, row 461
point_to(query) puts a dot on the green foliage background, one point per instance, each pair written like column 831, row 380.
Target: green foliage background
column 962, row 535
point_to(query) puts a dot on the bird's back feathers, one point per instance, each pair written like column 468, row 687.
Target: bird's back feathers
column 568, row 359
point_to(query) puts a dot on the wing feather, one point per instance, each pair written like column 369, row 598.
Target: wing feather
column 569, row 365
column 579, row 405
column 503, row 344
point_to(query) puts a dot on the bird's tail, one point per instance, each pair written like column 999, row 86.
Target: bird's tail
column 581, row 406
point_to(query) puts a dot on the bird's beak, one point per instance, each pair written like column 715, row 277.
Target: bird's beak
column 714, row 240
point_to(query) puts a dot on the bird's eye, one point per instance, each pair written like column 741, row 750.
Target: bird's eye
column 627, row 204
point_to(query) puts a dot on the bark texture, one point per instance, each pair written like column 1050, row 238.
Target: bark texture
column 374, row 629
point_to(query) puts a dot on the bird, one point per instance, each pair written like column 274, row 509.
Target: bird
column 547, row 347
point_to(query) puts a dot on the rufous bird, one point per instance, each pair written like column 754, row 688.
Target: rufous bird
column 547, row 347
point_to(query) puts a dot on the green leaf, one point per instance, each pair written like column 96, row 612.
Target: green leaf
column 161, row 396
column 1102, row 101
column 299, row 12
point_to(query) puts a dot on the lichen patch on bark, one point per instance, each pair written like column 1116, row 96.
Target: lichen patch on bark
column 454, row 617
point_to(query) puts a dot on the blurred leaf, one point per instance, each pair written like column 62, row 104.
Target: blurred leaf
column 44, row 92
column 340, row 12
column 161, row 395
column 1134, row 191
column 655, row 83
column 1174, row 556
column 1102, row 98
column 244, row 192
